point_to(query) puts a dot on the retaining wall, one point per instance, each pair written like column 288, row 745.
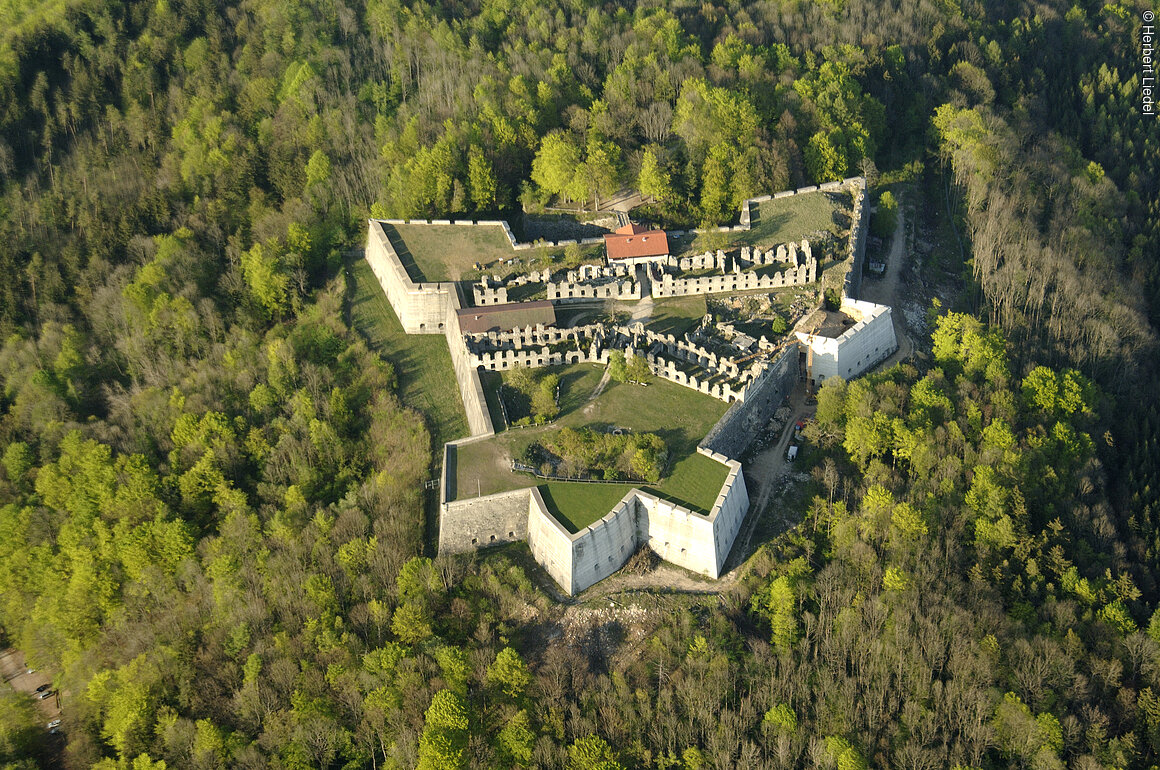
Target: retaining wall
column 856, row 248
column 549, row 542
column 421, row 307
column 729, row 511
column 737, row 428
column 429, row 308
column 602, row 548
column 478, row 522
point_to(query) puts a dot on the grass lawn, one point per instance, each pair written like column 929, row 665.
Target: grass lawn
column 577, row 505
column 422, row 361
column 775, row 222
column 693, row 478
column 446, row 252
column 450, row 252
column 677, row 414
column 677, row 315
column 792, row 218
column 491, row 382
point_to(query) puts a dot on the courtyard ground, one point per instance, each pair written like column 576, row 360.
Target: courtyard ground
column 795, row 217
column 436, row 253
column 679, row 415
column 777, row 221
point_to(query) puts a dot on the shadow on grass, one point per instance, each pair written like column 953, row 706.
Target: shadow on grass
column 491, row 382
column 450, row 471
column 571, row 396
column 405, row 255
column 577, row 505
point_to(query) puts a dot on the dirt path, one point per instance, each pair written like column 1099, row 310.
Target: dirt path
column 590, row 405
column 887, row 291
column 642, row 310
column 623, row 200
column 767, row 468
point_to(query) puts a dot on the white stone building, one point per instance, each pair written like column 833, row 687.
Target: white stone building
column 849, row 342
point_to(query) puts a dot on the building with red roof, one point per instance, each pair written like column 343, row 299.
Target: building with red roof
column 633, row 245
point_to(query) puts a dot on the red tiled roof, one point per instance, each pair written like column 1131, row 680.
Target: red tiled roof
column 634, row 241
column 502, row 318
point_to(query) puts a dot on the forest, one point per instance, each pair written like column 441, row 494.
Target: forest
column 212, row 496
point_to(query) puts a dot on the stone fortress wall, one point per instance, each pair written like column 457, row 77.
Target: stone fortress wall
column 697, row 542
column 745, row 419
column 870, row 340
column 856, row 246
column 429, row 308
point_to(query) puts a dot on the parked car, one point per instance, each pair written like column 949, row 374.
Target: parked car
column 46, row 694
column 42, row 688
column 791, row 453
column 54, row 724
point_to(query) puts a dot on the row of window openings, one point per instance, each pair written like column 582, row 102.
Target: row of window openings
column 475, row 541
column 539, row 362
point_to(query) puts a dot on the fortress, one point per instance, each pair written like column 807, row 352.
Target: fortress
column 490, row 332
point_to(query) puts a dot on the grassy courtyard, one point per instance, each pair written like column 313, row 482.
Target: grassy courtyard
column 447, row 252
column 677, row 414
column 577, row 505
column 422, row 361
column 450, row 253
column 793, row 218
column 775, row 222
column 677, row 315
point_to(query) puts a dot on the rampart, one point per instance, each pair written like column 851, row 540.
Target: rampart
column 744, row 420
column 695, row 541
column 429, row 308
column 856, row 247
